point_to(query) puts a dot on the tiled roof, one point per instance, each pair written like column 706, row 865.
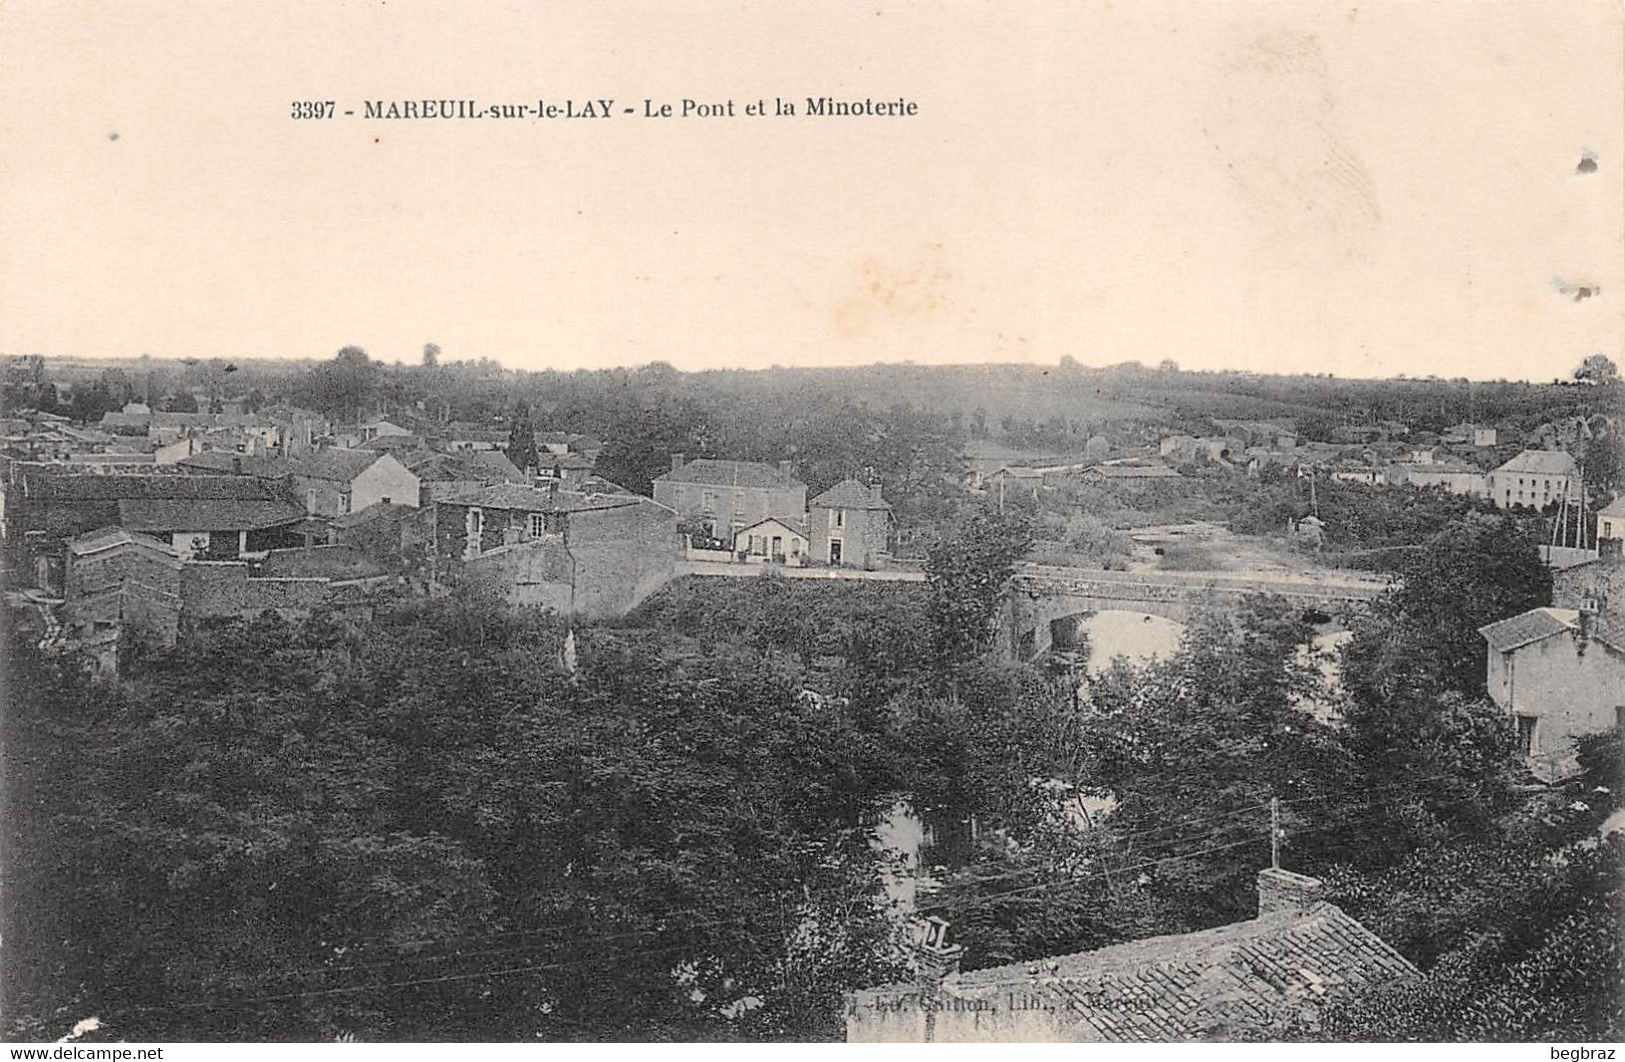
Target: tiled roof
column 375, row 511
column 1232, row 982
column 791, row 526
column 492, row 464
column 1532, row 626
column 390, row 443
column 108, row 537
column 600, row 485
column 207, row 514
column 1542, row 463
column 731, row 474
column 325, row 562
column 126, row 420
column 117, row 488
column 849, row 494
column 488, row 466
column 335, row 463
column 229, row 462
column 1613, row 508
column 533, row 499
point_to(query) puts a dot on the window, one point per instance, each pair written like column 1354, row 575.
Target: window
column 708, row 502
column 739, row 501
column 1526, row 734
column 538, row 524
column 840, row 517
column 344, row 504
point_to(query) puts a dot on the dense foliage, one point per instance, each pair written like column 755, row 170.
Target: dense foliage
column 430, row 831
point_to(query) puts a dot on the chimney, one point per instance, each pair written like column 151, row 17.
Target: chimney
column 1282, row 891
column 677, row 462
column 385, row 499
column 935, row 960
column 784, row 471
column 236, row 466
column 874, row 492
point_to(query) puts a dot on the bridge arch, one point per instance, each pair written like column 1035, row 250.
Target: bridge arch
column 1040, row 596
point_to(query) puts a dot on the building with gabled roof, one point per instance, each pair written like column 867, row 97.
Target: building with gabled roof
column 1249, row 980
column 718, row 499
column 590, row 555
column 450, row 475
column 1535, row 478
column 850, row 525
column 334, row 481
column 1559, row 673
column 219, row 517
column 772, row 541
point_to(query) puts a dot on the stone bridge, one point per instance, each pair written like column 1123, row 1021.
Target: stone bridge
column 1040, row 596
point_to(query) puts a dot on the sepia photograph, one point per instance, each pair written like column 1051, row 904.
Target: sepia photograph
column 904, row 522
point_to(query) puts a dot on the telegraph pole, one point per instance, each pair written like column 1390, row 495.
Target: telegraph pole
column 1275, row 833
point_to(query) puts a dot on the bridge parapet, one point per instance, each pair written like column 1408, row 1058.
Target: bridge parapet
column 1041, row 595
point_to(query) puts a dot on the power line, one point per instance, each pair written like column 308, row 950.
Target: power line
column 978, row 902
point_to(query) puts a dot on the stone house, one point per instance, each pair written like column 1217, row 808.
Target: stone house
column 451, row 475
column 721, row 498
column 216, row 517
column 385, row 532
column 116, row 581
column 336, row 481
column 1250, row 980
column 590, row 555
column 1559, row 673
column 850, row 526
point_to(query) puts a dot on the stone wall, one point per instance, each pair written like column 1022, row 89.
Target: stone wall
column 602, row 564
column 133, row 584
column 210, row 589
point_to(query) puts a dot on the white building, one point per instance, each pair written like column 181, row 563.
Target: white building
column 1611, row 520
column 1559, row 677
column 1534, row 479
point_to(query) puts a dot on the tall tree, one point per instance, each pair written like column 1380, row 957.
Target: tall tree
column 1598, row 368
column 522, row 441
column 968, row 571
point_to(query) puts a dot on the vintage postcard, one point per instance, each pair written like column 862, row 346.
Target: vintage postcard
column 916, row 521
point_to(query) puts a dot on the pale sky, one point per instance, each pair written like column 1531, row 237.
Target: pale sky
column 1365, row 188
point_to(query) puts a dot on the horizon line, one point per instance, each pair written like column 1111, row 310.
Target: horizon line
column 1044, row 367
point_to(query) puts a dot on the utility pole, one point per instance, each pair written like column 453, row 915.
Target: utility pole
column 1275, row 833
